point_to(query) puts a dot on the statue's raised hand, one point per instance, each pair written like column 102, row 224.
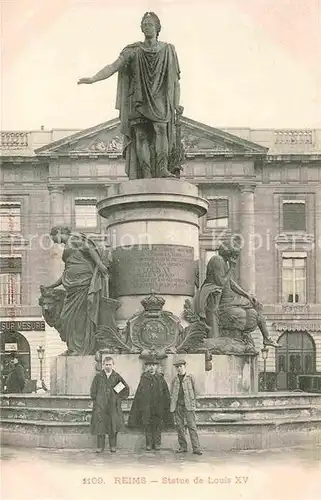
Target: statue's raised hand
column 85, row 80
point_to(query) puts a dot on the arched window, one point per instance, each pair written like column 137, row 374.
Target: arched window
column 296, row 355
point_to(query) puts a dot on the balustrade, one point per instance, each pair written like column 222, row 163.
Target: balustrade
column 13, row 140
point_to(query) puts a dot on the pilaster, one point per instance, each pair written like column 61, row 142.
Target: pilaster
column 56, row 194
column 247, row 231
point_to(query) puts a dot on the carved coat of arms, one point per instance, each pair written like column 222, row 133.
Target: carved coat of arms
column 154, row 330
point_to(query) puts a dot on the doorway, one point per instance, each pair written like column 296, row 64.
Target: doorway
column 13, row 342
column 295, row 356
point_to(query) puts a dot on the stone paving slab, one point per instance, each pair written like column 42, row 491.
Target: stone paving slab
column 275, row 474
column 305, row 454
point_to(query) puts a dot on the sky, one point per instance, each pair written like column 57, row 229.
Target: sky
column 244, row 63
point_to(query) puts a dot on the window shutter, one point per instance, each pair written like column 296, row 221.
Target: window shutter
column 218, row 209
column 293, row 216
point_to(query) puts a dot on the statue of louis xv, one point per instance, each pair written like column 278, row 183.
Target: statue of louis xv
column 148, row 95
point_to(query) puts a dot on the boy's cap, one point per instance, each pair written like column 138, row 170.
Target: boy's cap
column 180, row 362
column 150, row 360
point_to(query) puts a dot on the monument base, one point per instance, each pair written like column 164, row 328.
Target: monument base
column 72, row 375
column 230, row 374
column 243, row 422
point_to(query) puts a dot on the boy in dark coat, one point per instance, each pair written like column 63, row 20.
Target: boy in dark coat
column 150, row 408
column 107, row 390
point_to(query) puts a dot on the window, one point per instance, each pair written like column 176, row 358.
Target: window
column 10, row 215
column 85, row 213
column 217, row 215
column 10, row 281
column 294, row 215
column 294, row 277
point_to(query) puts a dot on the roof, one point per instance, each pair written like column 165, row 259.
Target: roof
column 197, row 138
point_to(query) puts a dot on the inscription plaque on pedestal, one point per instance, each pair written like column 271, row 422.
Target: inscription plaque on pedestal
column 163, row 269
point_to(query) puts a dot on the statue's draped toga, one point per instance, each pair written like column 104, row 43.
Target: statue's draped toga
column 146, row 94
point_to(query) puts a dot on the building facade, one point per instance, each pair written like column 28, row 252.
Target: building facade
column 262, row 185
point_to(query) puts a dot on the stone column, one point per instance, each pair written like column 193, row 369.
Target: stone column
column 247, row 231
column 318, row 244
column 154, row 234
column 56, row 266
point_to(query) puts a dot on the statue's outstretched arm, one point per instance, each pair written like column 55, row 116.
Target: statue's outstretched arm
column 104, row 73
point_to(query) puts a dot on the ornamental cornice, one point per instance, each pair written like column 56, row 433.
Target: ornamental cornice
column 56, row 188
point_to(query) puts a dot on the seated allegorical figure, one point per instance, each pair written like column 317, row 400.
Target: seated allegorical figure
column 225, row 307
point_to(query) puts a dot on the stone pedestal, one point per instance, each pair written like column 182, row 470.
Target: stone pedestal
column 154, row 233
column 72, row 375
column 230, row 375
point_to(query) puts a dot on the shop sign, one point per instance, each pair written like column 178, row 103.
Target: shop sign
column 9, row 347
column 24, row 326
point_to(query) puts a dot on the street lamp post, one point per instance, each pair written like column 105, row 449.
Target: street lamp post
column 265, row 353
column 41, row 355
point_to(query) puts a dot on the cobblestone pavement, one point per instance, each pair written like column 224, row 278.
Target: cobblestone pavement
column 44, row 474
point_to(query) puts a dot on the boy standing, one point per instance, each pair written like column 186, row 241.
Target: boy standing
column 183, row 404
column 150, row 408
column 107, row 390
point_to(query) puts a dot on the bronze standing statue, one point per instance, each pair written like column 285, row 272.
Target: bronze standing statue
column 148, row 97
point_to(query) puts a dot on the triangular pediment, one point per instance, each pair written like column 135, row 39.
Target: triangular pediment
column 199, row 138
column 106, row 139
column 102, row 139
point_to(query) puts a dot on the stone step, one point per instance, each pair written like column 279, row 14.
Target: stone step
column 221, row 436
column 223, row 439
column 209, row 426
column 238, row 402
column 45, row 401
column 203, row 415
column 63, row 415
column 263, row 400
column 43, row 423
column 255, row 414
